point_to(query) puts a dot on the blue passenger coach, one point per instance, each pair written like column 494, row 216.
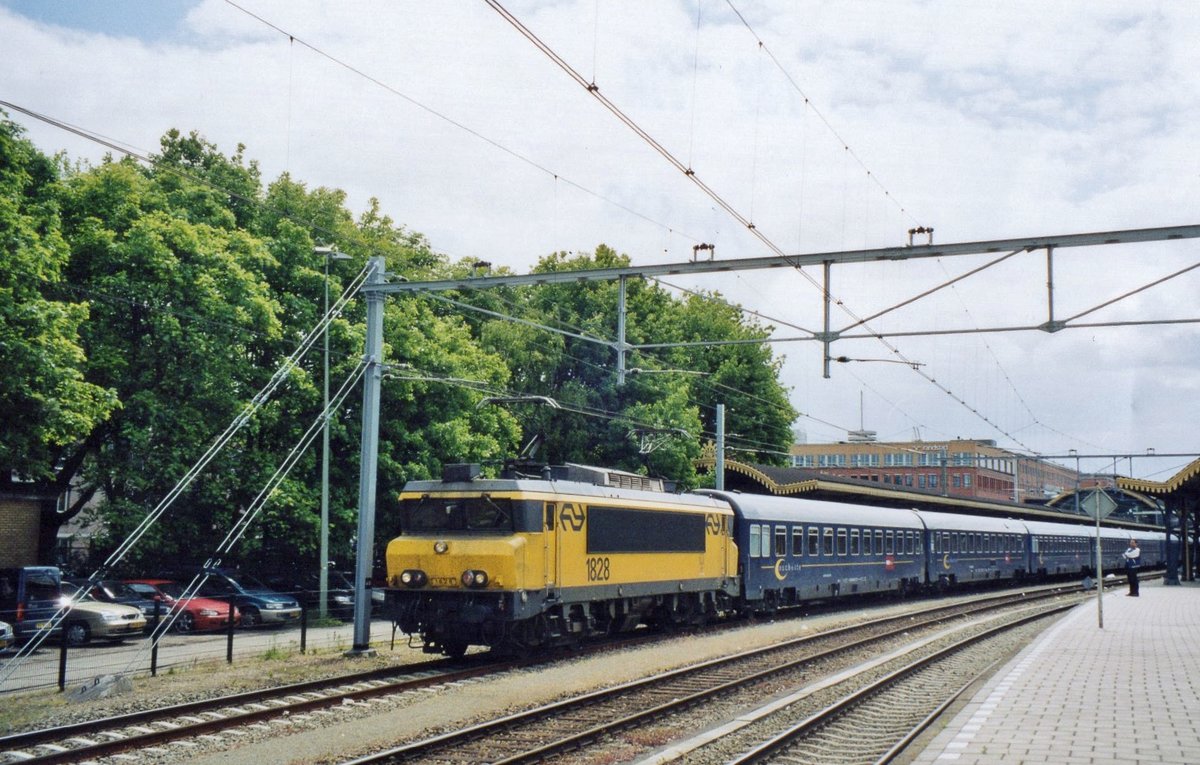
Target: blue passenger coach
column 965, row 548
column 792, row 550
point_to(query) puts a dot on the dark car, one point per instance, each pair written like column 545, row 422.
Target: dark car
column 112, row 591
column 258, row 603
column 29, row 599
column 306, row 587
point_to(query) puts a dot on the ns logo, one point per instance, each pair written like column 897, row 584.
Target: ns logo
column 716, row 525
column 571, row 517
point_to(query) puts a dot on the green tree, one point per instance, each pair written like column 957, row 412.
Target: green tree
column 678, row 391
column 46, row 403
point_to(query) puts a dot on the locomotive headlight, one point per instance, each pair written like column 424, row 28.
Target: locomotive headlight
column 440, row 547
column 413, row 578
column 474, row 578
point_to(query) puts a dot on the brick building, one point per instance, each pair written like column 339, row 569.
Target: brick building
column 20, row 526
column 975, row 469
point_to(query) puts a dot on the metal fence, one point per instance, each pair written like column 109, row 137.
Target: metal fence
column 54, row 664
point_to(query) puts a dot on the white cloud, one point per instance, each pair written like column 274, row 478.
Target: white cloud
column 983, row 120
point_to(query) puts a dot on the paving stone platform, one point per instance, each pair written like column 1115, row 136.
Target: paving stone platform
column 1127, row 694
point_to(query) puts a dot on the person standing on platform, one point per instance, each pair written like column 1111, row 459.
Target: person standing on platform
column 1132, row 559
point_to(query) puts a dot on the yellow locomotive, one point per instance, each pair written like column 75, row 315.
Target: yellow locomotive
column 522, row 562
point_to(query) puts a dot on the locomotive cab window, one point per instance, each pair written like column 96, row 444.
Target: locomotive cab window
column 478, row 514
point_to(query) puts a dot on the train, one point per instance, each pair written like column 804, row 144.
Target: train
column 531, row 560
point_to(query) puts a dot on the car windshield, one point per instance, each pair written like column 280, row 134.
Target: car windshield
column 479, row 513
column 120, row 590
column 247, row 582
column 171, row 589
column 71, row 591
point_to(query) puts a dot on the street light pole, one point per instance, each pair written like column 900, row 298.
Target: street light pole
column 328, row 253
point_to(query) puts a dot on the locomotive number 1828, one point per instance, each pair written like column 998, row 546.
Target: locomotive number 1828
column 597, row 569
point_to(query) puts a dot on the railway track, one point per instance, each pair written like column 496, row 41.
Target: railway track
column 872, row 724
column 91, row 740
column 553, row 729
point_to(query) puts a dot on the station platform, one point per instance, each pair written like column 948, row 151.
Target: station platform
column 1126, row 694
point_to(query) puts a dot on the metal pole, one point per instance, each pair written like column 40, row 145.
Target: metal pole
column 369, row 462
column 323, row 572
column 828, row 269
column 1099, row 574
column 621, row 331
column 719, row 467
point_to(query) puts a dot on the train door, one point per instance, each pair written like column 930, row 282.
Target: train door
column 550, row 555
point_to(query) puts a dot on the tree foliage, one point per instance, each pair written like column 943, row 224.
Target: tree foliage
column 143, row 307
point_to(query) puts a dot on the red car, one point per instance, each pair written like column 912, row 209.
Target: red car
column 195, row 614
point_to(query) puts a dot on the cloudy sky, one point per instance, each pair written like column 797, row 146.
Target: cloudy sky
column 831, row 125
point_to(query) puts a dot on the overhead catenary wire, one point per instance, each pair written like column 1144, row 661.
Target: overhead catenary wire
column 691, row 175
column 259, row 400
column 293, row 39
column 251, row 512
column 813, row 107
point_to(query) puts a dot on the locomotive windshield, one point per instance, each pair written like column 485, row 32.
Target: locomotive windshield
column 436, row 514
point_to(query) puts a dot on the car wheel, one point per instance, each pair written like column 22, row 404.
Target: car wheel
column 186, row 622
column 251, row 617
column 76, row 634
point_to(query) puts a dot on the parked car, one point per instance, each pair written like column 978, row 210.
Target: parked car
column 111, row 591
column 7, row 636
column 306, row 587
column 196, row 614
column 29, row 599
column 90, row 619
column 257, row 603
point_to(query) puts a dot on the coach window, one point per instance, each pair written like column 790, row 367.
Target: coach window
column 780, row 541
column 879, row 541
column 755, row 531
column 867, row 542
column 797, row 540
column 841, row 542
column 764, row 550
column 911, row 542
column 890, row 543
column 827, row 546
column 855, row 536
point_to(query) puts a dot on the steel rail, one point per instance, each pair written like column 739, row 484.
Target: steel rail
column 781, row 741
column 903, row 623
